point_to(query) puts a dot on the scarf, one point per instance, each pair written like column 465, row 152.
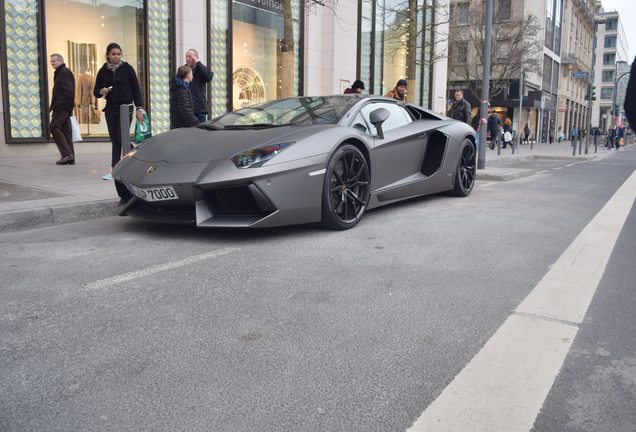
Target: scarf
column 114, row 67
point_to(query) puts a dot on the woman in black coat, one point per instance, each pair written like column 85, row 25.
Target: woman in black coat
column 117, row 82
column 181, row 105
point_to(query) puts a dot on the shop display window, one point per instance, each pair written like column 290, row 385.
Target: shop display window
column 83, row 46
column 262, row 68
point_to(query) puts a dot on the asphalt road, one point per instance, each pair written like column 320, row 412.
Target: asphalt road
column 115, row 325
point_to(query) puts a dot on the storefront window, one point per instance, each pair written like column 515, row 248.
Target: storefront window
column 83, row 46
column 399, row 46
column 218, row 56
column 264, row 61
column 159, row 49
column 22, row 69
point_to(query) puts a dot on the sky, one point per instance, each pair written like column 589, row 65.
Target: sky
column 627, row 11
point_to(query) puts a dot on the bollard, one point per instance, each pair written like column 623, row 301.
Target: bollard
column 573, row 147
column 580, row 145
column 124, row 129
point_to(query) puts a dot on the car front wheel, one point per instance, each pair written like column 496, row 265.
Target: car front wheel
column 466, row 170
column 345, row 193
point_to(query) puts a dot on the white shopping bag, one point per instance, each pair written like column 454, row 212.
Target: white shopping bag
column 77, row 135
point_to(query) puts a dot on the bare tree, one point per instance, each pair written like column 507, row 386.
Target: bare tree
column 515, row 49
column 403, row 35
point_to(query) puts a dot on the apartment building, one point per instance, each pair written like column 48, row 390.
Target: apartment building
column 524, row 70
column 610, row 63
column 576, row 63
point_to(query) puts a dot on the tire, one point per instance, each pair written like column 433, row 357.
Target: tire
column 346, row 188
column 466, row 170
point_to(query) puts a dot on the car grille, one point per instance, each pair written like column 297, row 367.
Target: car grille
column 245, row 200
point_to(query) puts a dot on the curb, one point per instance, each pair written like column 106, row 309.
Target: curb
column 503, row 174
column 55, row 215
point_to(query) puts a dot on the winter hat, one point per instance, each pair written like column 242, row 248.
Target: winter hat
column 401, row 82
column 358, row 84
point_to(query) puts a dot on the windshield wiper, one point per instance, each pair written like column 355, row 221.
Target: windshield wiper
column 253, row 126
column 208, row 126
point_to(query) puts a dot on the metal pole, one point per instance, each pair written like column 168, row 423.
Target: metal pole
column 520, row 107
column 485, row 85
column 588, row 126
column 124, row 129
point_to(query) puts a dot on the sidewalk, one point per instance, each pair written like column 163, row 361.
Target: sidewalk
column 35, row 192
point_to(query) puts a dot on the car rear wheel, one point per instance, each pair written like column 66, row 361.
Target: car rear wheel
column 345, row 193
column 466, row 170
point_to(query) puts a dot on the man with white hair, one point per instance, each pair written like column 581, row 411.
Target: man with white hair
column 201, row 75
column 62, row 104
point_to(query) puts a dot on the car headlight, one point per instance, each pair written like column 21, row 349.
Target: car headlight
column 258, row 156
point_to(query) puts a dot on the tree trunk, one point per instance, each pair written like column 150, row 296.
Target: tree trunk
column 411, row 53
column 287, row 86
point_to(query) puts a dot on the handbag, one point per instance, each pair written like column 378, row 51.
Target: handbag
column 621, row 142
column 77, row 135
column 142, row 129
column 507, row 136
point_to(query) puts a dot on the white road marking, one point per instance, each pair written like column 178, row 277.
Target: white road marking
column 504, row 386
column 557, row 168
column 571, row 165
column 541, row 172
column 104, row 283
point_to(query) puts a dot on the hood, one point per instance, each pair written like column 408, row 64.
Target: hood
column 202, row 145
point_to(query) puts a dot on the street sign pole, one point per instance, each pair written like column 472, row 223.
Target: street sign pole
column 485, row 85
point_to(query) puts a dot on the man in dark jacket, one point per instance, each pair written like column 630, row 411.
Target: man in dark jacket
column 493, row 127
column 62, row 104
column 460, row 108
column 201, row 75
column 356, row 87
column 181, row 105
column 630, row 98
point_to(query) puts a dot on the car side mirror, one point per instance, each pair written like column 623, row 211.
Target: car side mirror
column 377, row 117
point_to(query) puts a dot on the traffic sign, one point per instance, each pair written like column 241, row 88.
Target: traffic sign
column 580, row 74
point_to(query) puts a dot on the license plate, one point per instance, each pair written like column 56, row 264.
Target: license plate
column 159, row 193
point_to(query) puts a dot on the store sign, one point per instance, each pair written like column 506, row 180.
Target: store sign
column 275, row 6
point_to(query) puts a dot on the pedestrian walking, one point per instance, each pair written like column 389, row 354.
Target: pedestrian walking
column 460, row 108
column 201, row 76
column 399, row 91
column 181, row 105
column 574, row 133
column 526, row 133
column 61, row 109
column 117, row 82
column 507, row 133
column 493, row 127
column 611, row 133
column 356, row 87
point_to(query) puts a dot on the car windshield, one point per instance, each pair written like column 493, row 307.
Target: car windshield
column 286, row 112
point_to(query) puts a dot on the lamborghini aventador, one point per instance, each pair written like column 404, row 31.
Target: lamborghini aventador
column 299, row 160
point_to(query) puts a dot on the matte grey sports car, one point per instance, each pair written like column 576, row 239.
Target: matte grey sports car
column 298, row 160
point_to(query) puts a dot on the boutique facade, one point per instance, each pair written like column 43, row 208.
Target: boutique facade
column 258, row 50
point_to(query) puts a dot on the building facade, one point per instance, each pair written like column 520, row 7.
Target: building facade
column 259, row 50
column 576, row 63
column 610, row 62
column 525, row 66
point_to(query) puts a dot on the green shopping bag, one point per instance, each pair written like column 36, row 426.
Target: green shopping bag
column 142, row 129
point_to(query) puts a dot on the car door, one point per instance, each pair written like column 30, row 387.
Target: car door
column 397, row 156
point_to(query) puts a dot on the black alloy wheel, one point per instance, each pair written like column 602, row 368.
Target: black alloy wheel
column 345, row 194
column 466, row 170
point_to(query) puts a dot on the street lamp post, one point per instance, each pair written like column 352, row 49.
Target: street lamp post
column 485, row 85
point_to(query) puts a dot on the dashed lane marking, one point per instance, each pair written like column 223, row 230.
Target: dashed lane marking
column 505, row 385
column 105, row 283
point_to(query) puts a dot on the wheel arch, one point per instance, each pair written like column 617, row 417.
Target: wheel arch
column 360, row 146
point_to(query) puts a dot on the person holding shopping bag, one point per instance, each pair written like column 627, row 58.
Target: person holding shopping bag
column 117, row 82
